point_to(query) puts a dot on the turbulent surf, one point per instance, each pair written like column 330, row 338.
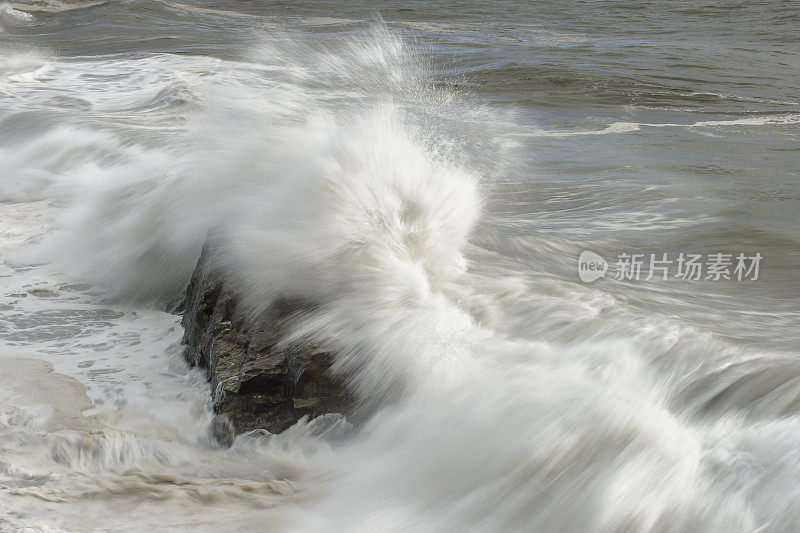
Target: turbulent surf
column 427, row 182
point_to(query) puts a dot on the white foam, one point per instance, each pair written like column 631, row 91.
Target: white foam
column 329, row 183
column 627, row 127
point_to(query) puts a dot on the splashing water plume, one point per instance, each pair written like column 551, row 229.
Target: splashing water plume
column 339, row 175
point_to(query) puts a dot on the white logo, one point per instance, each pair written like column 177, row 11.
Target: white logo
column 709, row 267
column 591, row 266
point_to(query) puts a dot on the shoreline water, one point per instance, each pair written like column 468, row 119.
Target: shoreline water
column 425, row 183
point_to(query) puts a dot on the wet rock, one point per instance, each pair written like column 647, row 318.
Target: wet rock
column 221, row 431
column 258, row 382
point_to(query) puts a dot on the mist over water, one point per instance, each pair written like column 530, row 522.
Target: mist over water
column 427, row 180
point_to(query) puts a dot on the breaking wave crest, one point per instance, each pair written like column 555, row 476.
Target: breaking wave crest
column 332, row 175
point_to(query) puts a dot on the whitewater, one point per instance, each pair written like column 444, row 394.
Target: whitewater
column 503, row 393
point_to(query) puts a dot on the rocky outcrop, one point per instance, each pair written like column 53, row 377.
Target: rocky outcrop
column 258, row 382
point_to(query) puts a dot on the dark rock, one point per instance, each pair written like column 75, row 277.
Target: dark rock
column 221, row 431
column 258, row 382
column 177, row 305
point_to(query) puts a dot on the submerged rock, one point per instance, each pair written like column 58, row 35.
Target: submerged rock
column 258, row 382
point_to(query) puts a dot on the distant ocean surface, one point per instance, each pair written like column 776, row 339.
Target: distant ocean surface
column 428, row 175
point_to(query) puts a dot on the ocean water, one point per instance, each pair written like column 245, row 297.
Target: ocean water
column 428, row 174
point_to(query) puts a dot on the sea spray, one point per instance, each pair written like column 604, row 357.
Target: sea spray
column 333, row 175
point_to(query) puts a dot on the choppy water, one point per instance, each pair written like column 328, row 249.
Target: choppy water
column 427, row 173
